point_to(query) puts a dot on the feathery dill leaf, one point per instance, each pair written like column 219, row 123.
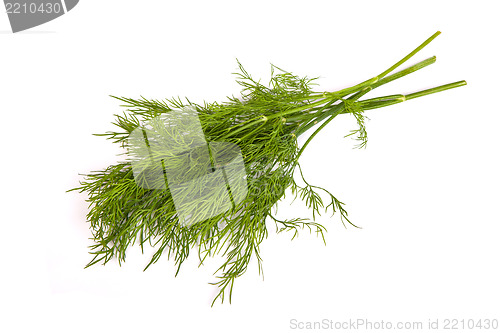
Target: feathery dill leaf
column 264, row 123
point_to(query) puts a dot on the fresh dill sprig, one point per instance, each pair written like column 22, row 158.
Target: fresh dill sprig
column 264, row 123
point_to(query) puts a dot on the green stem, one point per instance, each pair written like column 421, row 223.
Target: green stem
column 339, row 108
column 334, row 95
column 359, row 94
column 375, row 103
column 263, row 119
column 409, row 55
column 436, row 89
column 406, row 71
column 378, row 102
column 342, row 92
column 329, row 98
column 380, row 77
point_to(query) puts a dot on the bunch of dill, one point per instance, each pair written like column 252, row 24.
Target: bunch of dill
column 264, row 123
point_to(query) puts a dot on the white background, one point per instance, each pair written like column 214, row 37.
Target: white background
column 425, row 191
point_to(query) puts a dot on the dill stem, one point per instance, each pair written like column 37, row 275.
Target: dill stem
column 406, row 71
column 362, row 88
column 409, row 55
column 436, row 89
column 263, row 119
column 338, row 109
column 359, row 94
column 379, row 79
column 375, row 103
column 334, row 96
column 326, row 97
column 342, row 92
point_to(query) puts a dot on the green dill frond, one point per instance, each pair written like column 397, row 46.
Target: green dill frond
column 357, row 111
column 262, row 125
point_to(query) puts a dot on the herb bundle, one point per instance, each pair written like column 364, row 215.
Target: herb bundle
column 262, row 127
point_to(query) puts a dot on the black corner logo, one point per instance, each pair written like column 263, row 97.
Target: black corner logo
column 26, row 14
